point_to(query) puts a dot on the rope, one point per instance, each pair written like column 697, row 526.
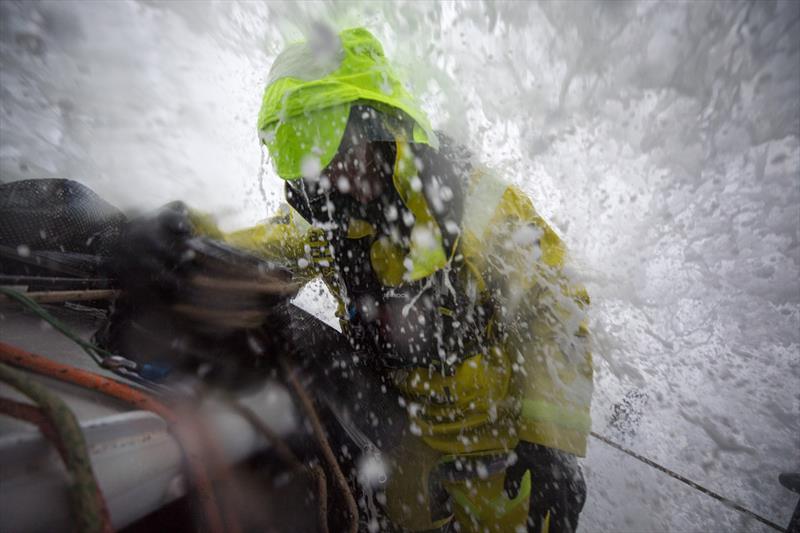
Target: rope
column 82, row 295
column 102, row 357
column 318, row 474
column 193, row 452
column 280, row 447
column 285, row 453
column 229, row 492
column 95, row 352
column 319, row 432
column 88, row 504
column 34, row 415
column 689, row 482
column 61, row 282
column 307, row 404
column 199, row 474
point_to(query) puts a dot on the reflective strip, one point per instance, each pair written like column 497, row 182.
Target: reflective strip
column 482, row 201
column 541, row 411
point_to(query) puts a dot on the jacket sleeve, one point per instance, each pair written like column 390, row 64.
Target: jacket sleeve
column 283, row 239
column 541, row 324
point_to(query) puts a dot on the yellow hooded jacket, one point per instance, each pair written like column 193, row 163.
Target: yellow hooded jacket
column 536, row 383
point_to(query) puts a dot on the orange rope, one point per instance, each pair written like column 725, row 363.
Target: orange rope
column 316, row 472
column 194, row 454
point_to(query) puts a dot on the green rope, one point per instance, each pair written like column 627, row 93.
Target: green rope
column 95, row 352
column 88, row 505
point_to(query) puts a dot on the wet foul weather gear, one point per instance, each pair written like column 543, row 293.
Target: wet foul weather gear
column 449, row 280
column 532, row 384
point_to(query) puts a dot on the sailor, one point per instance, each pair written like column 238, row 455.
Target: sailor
column 447, row 280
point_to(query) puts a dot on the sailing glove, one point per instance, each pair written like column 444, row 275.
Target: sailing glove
column 193, row 302
column 558, row 490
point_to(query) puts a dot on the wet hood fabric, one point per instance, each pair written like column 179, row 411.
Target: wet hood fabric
column 310, row 90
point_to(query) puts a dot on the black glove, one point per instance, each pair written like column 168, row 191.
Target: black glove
column 152, row 254
column 557, row 486
column 214, row 287
column 189, row 299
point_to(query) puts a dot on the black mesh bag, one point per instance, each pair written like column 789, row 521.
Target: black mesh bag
column 55, row 227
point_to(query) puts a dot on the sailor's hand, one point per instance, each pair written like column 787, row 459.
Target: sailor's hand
column 153, row 254
column 166, row 261
column 558, row 490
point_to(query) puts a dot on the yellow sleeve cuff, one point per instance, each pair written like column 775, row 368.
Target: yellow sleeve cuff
column 555, row 426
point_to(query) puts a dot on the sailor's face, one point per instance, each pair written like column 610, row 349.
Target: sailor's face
column 359, row 171
column 357, row 183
